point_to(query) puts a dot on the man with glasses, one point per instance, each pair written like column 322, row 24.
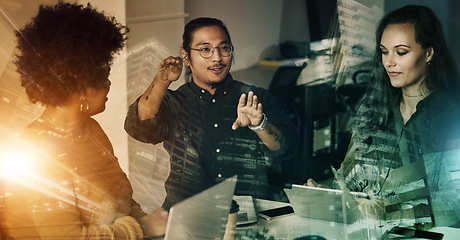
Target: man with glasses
column 212, row 126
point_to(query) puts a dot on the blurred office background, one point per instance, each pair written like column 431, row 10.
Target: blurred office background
column 310, row 53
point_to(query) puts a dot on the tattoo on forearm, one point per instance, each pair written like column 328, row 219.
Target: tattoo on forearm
column 273, row 133
column 147, row 97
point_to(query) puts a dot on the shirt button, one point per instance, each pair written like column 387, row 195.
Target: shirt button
column 217, row 150
column 225, row 92
column 219, row 175
column 213, row 100
column 201, row 97
column 202, row 91
column 216, row 125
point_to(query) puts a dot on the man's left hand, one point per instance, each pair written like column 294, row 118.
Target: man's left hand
column 249, row 111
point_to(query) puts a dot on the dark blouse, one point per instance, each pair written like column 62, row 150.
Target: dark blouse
column 413, row 166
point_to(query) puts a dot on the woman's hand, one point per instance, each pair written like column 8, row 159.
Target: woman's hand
column 154, row 223
column 170, row 69
column 312, row 183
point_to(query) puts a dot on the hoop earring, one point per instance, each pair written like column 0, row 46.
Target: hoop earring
column 84, row 105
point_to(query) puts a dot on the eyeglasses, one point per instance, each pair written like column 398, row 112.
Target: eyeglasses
column 207, row 50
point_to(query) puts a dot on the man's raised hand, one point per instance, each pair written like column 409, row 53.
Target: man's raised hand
column 249, row 111
column 170, row 69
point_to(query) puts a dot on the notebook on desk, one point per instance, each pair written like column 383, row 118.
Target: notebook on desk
column 202, row 216
column 325, row 204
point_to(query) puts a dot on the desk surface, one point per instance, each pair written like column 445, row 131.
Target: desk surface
column 293, row 226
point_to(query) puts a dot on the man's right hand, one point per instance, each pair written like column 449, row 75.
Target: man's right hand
column 170, row 69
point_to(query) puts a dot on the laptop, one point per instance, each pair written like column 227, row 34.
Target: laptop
column 202, row 216
column 325, row 204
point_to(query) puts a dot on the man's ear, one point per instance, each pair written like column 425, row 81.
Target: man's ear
column 185, row 57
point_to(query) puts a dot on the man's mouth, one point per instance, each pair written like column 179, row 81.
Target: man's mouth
column 217, row 68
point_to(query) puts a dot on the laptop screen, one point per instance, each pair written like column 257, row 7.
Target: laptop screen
column 204, row 215
column 325, row 204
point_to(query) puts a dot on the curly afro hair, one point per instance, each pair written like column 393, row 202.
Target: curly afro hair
column 66, row 48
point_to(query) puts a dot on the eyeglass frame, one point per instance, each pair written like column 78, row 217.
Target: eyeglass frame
column 213, row 48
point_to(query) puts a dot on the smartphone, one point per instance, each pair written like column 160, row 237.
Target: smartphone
column 276, row 212
column 409, row 232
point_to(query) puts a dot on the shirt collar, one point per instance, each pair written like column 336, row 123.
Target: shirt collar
column 431, row 103
column 433, row 99
column 221, row 90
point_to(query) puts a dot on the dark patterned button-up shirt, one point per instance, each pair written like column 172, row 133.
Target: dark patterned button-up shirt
column 196, row 128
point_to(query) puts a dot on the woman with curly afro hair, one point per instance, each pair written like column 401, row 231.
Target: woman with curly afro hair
column 75, row 188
